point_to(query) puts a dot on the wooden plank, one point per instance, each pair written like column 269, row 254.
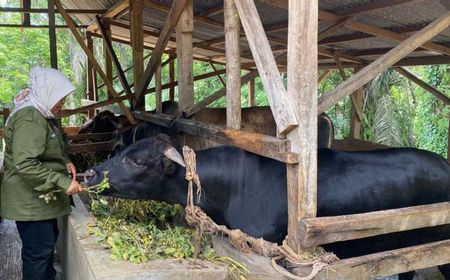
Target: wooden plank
column 302, row 92
column 332, row 29
column 371, row 71
column 91, row 57
column 137, row 46
column 44, row 11
column 371, row 7
column 323, row 230
column 284, row 115
column 155, row 59
column 389, row 262
column 51, row 34
column 233, row 64
column 89, row 147
column 184, row 30
column 112, row 54
column 117, row 9
column 438, row 94
column 90, row 76
column 218, row 94
column 352, row 144
column 158, row 90
column 212, row 11
column 260, row 144
column 69, row 130
column 251, row 93
column 172, row 79
column 90, row 136
column 107, row 58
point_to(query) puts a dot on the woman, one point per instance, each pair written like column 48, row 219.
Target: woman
column 36, row 183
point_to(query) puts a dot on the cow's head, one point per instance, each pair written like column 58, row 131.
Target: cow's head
column 139, row 171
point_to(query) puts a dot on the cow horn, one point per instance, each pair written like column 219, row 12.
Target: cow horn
column 172, row 154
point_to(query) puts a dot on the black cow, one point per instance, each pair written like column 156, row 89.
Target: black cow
column 247, row 191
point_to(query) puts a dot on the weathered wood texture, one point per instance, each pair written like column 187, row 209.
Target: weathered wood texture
column 91, row 57
column 137, row 43
column 108, row 45
column 51, row 33
column 117, row 9
column 89, row 147
column 389, row 262
column 107, row 56
column 164, row 36
column 266, row 64
column 158, row 90
column 357, row 113
column 90, row 136
column 218, row 94
column 302, row 92
column 384, row 62
column 260, row 144
column 323, row 230
column 423, row 85
column 90, row 76
column 251, row 93
column 184, row 30
column 172, row 78
column 233, row 64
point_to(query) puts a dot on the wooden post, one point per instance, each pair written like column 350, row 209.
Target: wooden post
column 233, row 64
column 448, row 142
column 382, row 63
column 251, row 93
column 51, row 33
column 107, row 57
column 172, row 78
column 184, row 29
column 302, row 91
column 137, row 45
column 358, row 103
column 267, row 66
column 158, row 92
column 91, row 90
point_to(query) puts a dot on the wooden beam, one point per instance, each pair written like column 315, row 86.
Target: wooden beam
column 44, row 11
column 218, row 94
column 158, row 90
column 353, row 145
column 302, row 92
column 389, row 262
column 251, row 93
column 107, row 57
column 324, row 74
column 384, row 62
column 91, row 57
column 155, row 59
column 448, row 139
column 438, row 94
column 40, row 26
column 219, row 76
column 323, row 230
column 26, row 5
column 90, row 136
column 332, row 29
column 90, row 76
column 117, row 9
column 212, row 11
column 372, row 7
column 137, row 45
column 184, row 31
column 112, row 54
column 233, row 64
column 89, row 147
column 172, row 78
column 270, row 76
column 260, row 144
column 51, row 34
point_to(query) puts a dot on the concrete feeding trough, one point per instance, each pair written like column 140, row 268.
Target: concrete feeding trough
column 83, row 258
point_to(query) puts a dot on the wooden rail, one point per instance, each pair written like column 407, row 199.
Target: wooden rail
column 389, row 262
column 323, row 230
column 90, row 136
column 89, row 147
column 260, row 144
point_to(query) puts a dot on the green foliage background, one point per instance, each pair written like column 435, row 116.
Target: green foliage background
column 397, row 112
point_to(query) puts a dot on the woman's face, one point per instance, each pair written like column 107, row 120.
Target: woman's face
column 58, row 106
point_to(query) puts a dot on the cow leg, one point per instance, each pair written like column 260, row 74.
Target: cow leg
column 406, row 276
column 445, row 270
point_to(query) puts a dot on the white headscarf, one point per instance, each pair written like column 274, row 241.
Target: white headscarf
column 47, row 87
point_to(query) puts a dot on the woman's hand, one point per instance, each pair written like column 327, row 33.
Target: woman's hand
column 72, row 170
column 74, row 188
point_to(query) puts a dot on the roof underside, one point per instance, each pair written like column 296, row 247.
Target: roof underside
column 399, row 16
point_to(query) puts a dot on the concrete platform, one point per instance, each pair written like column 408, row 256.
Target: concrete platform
column 82, row 258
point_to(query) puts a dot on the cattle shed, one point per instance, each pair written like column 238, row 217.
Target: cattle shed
column 306, row 39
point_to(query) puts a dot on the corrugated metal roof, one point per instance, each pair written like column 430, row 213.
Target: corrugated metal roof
column 411, row 15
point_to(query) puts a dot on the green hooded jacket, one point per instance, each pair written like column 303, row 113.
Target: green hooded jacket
column 35, row 164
